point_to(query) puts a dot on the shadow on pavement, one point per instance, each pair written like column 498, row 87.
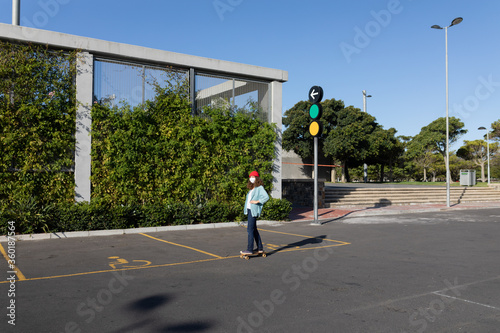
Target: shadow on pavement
column 299, row 244
column 142, row 307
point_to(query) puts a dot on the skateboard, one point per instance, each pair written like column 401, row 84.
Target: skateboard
column 255, row 254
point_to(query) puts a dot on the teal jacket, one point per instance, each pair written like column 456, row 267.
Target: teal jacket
column 259, row 194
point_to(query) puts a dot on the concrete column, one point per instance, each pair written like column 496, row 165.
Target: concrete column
column 84, row 98
column 264, row 99
column 192, row 90
column 276, row 117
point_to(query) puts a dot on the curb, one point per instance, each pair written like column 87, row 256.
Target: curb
column 113, row 232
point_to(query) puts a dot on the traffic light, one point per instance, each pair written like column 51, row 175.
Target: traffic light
column 315, row 111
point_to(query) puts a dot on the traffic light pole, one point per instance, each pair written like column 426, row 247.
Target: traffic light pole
column 315, row 130
column 316, row 180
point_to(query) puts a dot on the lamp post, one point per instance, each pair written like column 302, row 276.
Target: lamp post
column 365, row 167
column 16, row 10
column 364, row 100
column 487, row 149
column 454, row 22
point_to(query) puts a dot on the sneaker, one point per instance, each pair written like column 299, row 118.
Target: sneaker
column 246, row 252
column 260, row 251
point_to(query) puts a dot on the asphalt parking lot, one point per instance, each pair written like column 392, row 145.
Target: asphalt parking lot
column 421, row 272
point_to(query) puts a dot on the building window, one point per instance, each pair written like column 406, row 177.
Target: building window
column 235, row 94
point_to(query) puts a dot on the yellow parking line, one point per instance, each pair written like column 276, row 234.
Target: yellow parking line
column 23, row 278
column 19, row 274
column 216, row 257
column 122, row 269
column 157, row 266
column 286, row 233
column 187, row 247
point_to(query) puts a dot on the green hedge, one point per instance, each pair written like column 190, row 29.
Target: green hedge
column 37, row 124
column 29, row 217
column 158, row 152
column 153, row 164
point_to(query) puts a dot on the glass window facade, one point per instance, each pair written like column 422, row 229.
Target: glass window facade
column 240, row 95
column 118, row 82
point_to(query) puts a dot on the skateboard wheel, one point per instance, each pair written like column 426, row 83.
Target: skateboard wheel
column 247, row 257
column 264, row 255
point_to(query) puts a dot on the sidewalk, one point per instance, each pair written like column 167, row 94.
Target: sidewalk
column 331, row 214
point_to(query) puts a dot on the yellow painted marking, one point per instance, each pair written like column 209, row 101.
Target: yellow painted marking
column 286, row 233
column 187, row 247
column 124, row 269
column 119, row 261
column 19, row 274
column 123, row 262
column 144, row 263
column 23, row 278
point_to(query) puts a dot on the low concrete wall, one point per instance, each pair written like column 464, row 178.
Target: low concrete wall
column 300, row 192
column 292, row 167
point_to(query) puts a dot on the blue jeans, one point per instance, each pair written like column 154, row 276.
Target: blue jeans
column 253, row 233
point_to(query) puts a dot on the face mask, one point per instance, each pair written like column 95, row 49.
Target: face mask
column 252, row 180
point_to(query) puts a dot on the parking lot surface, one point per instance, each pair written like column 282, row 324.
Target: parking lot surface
column 423, row 272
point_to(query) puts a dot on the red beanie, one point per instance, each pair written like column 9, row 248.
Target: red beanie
column 254, row 174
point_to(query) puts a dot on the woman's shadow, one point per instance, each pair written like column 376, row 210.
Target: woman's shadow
column 299, row 244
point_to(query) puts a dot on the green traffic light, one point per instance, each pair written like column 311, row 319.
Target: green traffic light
column 315, row 111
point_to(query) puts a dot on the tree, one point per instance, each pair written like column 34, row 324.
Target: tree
column 433, row 136
column 425, row 162
column 422, row 156
column 437, row 167
column 495, row 167
column 349, row 140
column 407, row 169
column 476, row 151
column 385, row 149
column 495, row 133
column 349, row 136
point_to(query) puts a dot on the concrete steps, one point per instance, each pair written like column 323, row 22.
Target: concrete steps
column 358, row 196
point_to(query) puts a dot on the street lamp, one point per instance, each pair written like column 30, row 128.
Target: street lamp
column 487, row 149
column 365, row 167
column 454, row 22
column 364, row 100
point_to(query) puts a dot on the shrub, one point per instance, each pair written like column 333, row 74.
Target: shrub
column 276, row 210
column 31, row 217
column 214, row 211
column 28, row 215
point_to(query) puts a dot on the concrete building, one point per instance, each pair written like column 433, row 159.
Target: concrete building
column 114, row 72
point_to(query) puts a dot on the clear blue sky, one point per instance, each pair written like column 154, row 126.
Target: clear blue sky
column 385, row 47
